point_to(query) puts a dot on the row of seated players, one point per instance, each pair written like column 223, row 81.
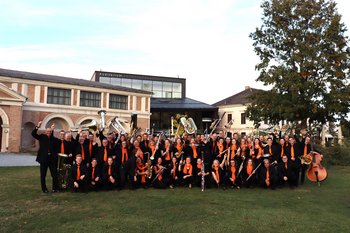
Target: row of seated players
column 108, row 176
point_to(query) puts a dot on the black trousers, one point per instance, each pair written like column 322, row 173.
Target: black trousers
column 52, row 165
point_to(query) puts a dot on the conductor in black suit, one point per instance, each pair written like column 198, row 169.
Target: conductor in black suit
column 47, row 157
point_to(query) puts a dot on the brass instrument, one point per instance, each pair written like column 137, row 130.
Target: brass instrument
column 203, row 173
column 149, row 166
column 189, row 125
column 63, row 170
column 216, row 123
column 306, row 159
column 120, row 125
column 102, row 114
column 86, row 127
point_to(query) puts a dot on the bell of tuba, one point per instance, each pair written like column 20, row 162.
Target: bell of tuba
column 102, row 114
column 120, row 125
column 92, row 125
column 189, row 125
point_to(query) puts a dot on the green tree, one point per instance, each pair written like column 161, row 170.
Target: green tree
column 304, row 58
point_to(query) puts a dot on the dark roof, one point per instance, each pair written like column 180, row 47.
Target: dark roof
column 136, row 76
column 239, row 98
column 184, row 104
column 65, row 80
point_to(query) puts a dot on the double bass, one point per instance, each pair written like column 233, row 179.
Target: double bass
column 316, row 171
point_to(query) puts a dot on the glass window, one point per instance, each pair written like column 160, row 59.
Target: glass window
column 157, row 86
column 137, row 84
column 147, row 85
column 118, row 101
column 177, row 87
column 177, row 95
column 167, row 86
column 90, row 99
column 116, row 81
column 58, row 96
column 167, row 94
column 105, row 80
column 157, row 94
column 229, row 117
column 126, row 82
column 243, row 118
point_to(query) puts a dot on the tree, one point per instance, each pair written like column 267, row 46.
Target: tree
column 304, row 57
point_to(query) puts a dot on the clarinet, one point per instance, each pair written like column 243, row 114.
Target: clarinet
column 203, row 173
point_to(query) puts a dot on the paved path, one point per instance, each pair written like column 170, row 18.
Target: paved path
column 12, row 159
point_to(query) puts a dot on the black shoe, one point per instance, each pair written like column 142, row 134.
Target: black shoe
column 45, row 191
column 55, row 191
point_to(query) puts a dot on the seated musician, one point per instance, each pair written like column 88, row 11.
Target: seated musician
column 110, row 174
column 142, row 176
column 248, row 171
column 217, row 174
column 95, row 178
column 187, row 172
column 198, row 174
column 267, row 175
column 232, row 174
column 287, row 173
column 174, row 173
column 159, row 181
column 79, row 175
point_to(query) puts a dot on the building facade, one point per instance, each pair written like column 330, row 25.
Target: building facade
column 168, row 98
column 234, row 108
column 27, row 98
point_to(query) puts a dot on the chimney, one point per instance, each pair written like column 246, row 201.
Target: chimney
column 247, row 87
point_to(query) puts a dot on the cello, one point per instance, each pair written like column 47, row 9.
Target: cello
column 316, row 171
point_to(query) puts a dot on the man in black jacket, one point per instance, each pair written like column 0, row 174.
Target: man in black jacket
column 47, row 157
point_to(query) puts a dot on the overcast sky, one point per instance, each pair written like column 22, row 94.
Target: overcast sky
column 204, row 41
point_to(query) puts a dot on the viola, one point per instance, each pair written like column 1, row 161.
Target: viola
column 316, row 171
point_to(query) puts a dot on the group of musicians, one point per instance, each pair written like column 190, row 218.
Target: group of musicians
column 216, row 161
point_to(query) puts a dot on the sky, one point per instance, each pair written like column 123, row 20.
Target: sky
column 204, row 41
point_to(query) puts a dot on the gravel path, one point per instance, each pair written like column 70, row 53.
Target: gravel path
column 12, row 159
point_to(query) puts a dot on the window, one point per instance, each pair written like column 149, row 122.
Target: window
column 147, row 85
column 58, row 96
column 105, row 80
column 243, row 118
column 229, row 117
column 126, row 82
column 137, row 84
column 118, row 101
column 90, row 99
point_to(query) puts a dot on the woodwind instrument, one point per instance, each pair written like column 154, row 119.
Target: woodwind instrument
column 203, row 173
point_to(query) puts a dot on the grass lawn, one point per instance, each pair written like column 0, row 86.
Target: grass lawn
column 23, row 208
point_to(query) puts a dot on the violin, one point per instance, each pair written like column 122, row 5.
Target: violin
column 316, row 171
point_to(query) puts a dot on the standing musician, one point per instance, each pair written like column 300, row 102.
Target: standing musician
column 287, row 173
column 218, row 174
column 65, row 146
column 121, row 161
column 293, row 153
column 109, row 174
column 92, row 145
column 47, row 157
column 212, row 146
column 257, row 151
column 267, row 175
column 103, row 152
column 271, row 149
column 219, row 154
column 144, row 143
column 281, row 149
column 306, row 148
column 233, row 151
column 95, row 176
column 187, row 173
column 167, row 152
column 194, row 151
column 79, row 175
column 82, row 149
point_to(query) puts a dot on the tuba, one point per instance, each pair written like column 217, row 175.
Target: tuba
column 92, row 125
column 102, row 114
column 189, row 125
column 120, row 125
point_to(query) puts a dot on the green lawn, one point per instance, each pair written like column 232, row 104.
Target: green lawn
column 23, row 208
